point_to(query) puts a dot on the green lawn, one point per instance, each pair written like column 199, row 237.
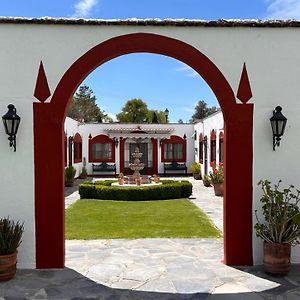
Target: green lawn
column 105, row 219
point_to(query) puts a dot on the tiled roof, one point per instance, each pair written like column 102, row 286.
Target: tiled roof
column 154, row 22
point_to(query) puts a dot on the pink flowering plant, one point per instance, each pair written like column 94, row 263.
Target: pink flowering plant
column 217, row 174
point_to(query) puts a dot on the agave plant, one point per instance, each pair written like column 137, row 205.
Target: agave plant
column 10, row 236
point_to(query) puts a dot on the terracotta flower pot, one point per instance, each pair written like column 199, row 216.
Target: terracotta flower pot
column 197, row 176
column 121, row 181
column 277, row 258
column 8, row 266
column 219, row 189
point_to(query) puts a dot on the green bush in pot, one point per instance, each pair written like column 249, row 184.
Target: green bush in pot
column 70, row 173
column 196, row 170
column 281, row 226
column 10, row 239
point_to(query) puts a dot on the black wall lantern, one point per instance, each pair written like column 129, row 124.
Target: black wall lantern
column 278, row 122
column 11, row 123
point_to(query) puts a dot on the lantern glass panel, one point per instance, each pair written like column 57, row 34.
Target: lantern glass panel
column 15, row 127
column 5, row 126
column 9, row 126
column 273, row 125
column 280, row 127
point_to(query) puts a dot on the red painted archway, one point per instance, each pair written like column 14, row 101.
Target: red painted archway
column 49, row 121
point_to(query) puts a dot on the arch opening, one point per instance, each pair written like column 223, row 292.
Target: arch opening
column 49, row 119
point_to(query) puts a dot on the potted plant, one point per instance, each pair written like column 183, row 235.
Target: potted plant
column 10, row 239
column 217, row 178
column 281, row 227
column 196, row 170
column 83, row 173
column 69, row 175
column 206, row 180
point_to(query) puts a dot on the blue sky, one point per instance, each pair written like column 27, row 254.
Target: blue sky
column 160, row 81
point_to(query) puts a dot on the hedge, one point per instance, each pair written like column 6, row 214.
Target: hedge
column 169, row 189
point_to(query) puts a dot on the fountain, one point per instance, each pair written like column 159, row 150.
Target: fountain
column 136, row 167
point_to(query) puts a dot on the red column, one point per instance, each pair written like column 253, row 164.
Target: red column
column 122, row 154
column 238, row 186
column 49, row 188
column 155, row 155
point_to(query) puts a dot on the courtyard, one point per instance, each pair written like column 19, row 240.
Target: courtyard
column 177, row 266
column 155, row 268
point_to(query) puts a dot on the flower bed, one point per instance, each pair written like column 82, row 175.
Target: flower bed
column 169, row 189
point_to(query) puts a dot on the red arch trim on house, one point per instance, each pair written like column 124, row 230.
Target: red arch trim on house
column 49, row 120
column 213, row 135
column 174, row 139
column 102, row 138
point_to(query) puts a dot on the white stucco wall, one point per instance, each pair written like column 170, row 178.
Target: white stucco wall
column 213, row 122
column 272, row 57
column 71, row 128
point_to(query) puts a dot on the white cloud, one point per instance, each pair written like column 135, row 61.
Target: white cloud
column 187, row 71
column 283, row 9
column 83, row 8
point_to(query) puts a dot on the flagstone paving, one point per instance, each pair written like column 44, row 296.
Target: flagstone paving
column 152, row 269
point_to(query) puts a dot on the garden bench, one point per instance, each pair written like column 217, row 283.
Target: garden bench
column 175, row 166
column 104, row 168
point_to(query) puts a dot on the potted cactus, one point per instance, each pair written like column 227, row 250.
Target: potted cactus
column 10, row 239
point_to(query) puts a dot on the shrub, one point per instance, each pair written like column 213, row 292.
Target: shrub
column 195, row 168
column 206, row 180
column 169, row 189
column 10, row 236
column 69, row 175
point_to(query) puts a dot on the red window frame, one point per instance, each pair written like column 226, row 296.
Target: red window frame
column 99, row 139
column 201, row 148
column 174, row 139
column 66, row 149
column 77, row 148
column 213, row 147
column 221, row 147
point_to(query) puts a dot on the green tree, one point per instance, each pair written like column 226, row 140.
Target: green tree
column 160, row 115
column 135, row 111
column 180, row 121
column 154, row 118
column 202, row 110
column 84, row 107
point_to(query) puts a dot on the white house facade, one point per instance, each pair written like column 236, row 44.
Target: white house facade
column 113, row 143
